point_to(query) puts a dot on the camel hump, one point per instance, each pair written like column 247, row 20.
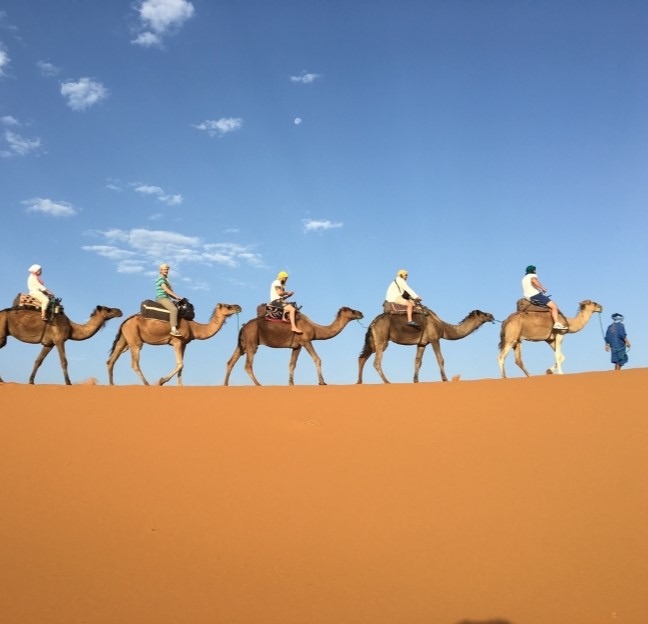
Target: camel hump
column 525, row 305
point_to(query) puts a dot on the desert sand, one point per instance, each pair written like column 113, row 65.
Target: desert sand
column 519, row 501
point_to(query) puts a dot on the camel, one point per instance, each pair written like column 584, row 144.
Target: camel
column 392, row 327
column 278, row 335
column 26, row 325
column 537, row 326
column 138, row 330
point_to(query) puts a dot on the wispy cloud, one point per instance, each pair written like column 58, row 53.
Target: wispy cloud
column 49, row 207
column 9, row 120
column 19, row 145
column 137, row 250
column 160, row 18
column 83, row 93
column 4, row 60
column 156, row 191
column 305, row 78
column 47, row 69
column 319, row 225
column 220, row 127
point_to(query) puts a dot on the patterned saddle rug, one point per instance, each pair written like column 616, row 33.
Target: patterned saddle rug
column 275, row 313
column 24, row 301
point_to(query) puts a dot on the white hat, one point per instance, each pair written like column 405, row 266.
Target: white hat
column 34, row 268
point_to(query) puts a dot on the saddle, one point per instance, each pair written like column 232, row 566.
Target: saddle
column 153, row 310
column 23, row 301
column 526, row 305
column 275, row 314
column 399, row 308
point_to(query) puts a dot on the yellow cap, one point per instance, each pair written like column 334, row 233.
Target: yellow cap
column 401, row 273
column 282, row 274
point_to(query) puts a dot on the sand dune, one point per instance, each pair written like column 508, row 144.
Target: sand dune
column 517, row 501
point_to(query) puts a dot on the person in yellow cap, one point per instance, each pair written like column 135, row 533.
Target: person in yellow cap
column 400, row 292
column 37, row 288
column 278, row 296
column 165, row 296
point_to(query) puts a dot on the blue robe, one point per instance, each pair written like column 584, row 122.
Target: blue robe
column 615, row 336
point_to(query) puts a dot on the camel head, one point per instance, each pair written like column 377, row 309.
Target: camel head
column 227, row 309
column 478, row 315
column 591, row 306
column 349, row 313
column 107, row 313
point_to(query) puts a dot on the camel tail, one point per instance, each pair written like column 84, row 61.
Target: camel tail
column 502, row 336
column 117, row 337
column 367, row 348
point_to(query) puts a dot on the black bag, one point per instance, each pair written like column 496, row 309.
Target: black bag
column 405, row 295
column 186, row 310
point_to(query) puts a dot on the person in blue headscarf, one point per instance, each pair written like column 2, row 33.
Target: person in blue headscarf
column 616, row 341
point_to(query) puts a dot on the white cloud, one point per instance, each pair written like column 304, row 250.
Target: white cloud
column 134, row 250
column 147, row 189
column 4, row 60
column 305, row 78
column 169, row 200
column 159, row 18
column 83, row 93
column 47, row 69
column 49, row 207
column 20, row 145
column 8, row 120
column 220, row 127
column 315, row 225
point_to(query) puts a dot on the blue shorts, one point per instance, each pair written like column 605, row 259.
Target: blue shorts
column 540, row 299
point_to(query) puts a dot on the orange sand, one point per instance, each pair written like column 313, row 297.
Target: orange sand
column 326, row 505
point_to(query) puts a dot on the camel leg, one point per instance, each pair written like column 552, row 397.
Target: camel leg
column 517, row 350
column 380, row 350
column 318, row 362
column 39, row 360
column 178, row 348
column 249, row 364
column 501, row 358
column 418, row 360
column 119, row 348
column 556, row 344
column 231, row 363
column 291, row 366
column 135, row 357
column 436, row 347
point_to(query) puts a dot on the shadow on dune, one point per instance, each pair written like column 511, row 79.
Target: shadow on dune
column 485, row 622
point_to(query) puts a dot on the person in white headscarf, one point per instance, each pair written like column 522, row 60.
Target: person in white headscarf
column 37, row 288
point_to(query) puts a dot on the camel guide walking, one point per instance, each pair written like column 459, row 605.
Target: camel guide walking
column 38, row 290
column 165, row 296
column 400, row 292
column 278, row 296
column 616, row 341
column 533, row 290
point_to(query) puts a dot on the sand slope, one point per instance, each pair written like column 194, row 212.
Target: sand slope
column 424, row 504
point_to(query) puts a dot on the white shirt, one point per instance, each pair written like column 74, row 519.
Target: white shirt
column 274, row 293
column 528, row 290
column 396, row 289
column 34, row 285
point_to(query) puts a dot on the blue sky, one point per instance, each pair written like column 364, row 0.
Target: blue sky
column 339, row 141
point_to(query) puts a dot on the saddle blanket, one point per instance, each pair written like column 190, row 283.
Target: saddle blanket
column 525, row 305
column 24, row 300
column 153, row 310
